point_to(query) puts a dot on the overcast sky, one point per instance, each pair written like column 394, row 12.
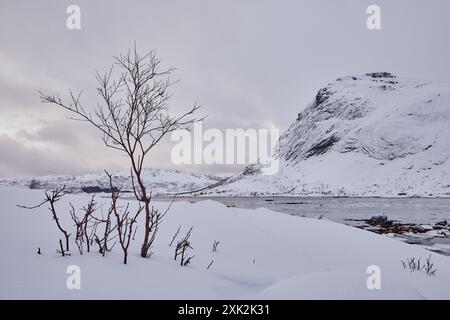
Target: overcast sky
column 249, row 63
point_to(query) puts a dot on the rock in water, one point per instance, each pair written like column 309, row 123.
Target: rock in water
column 379, row 219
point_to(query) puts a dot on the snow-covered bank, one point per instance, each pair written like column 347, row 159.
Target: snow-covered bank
column 160, row 181
column 262, row 254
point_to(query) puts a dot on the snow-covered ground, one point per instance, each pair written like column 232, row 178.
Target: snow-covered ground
column 262, row 254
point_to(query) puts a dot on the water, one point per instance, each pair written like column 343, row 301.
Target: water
column 407, row 210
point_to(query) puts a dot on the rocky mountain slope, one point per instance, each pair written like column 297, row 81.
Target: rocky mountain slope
column 369, row 135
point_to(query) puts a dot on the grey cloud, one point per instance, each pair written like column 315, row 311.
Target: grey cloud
column 248, row 63
column 58, row 132
column 19, row 159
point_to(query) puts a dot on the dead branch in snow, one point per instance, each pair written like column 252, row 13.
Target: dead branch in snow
column 52, row 197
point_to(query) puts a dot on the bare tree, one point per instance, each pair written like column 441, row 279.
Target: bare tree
column 133, row 118
column 108, row 229
column 125, row 228
column 429, row 267
column 78, row 229
column 125, row 222
column 82, row 225
column 215, row 246
column 52, row 198
column 181, row 249
column 414, row 264
column 88, row 212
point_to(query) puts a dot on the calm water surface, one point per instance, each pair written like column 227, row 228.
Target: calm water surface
column 412, row 210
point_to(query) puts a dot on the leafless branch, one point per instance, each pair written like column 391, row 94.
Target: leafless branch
column 52, row 197
column 132, row 117
column 182, row 246
column 175, row 235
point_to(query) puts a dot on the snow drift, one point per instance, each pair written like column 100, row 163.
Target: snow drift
column 262, row 254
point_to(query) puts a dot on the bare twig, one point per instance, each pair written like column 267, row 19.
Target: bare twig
column 125, row 222
column 182, row 246
column 175, row 235
column 52, row 197
column 215, row 245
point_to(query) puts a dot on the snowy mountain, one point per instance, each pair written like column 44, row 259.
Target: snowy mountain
column 161, row 182
column 369, row 135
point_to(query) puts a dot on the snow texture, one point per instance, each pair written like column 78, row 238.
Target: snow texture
column 262, row 254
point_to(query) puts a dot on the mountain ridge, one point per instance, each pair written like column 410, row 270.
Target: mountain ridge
column 369, row 135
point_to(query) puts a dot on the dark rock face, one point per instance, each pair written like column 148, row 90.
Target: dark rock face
column 443, row 223
column 358, row 114
column 382, row 225
column 252, row 169
column 35, row 184
column 378, row 75
column 322, row 147
column 322, row 96
column 97, row 189
column 379, row 219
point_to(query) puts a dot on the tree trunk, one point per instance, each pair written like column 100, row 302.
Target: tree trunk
column 147, row 231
